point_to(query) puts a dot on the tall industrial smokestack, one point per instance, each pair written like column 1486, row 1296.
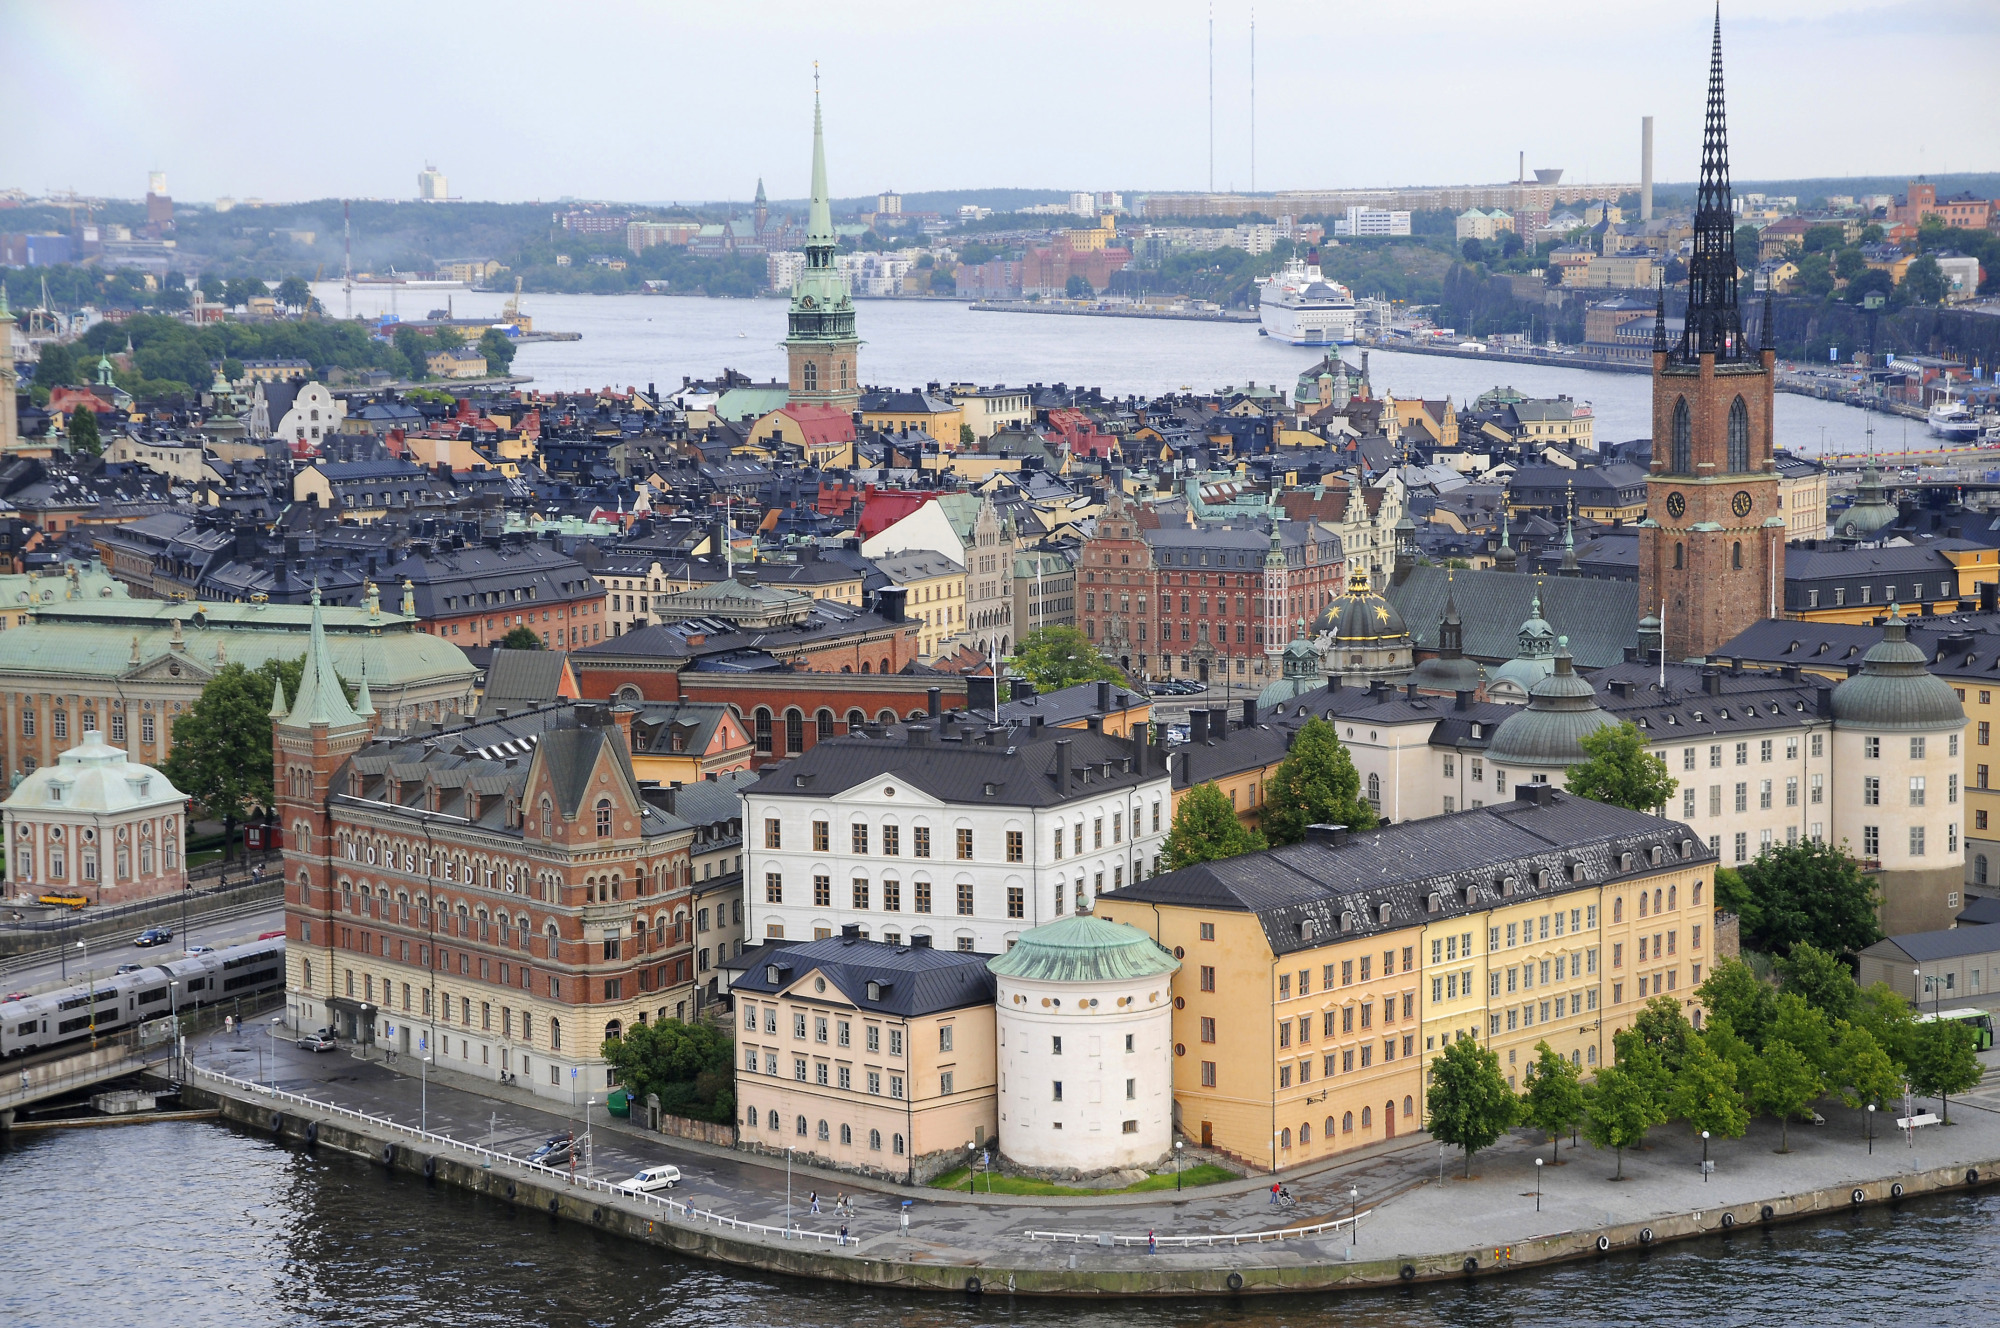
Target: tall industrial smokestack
column 1646, row 168
column 1521, row 170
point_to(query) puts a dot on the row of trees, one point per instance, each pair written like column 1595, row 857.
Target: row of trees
column 1763, row 1052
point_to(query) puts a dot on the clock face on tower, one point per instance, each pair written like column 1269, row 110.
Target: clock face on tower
column 1740, row 504
column 1677, row 506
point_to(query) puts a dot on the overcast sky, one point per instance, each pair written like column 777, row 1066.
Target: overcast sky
column 646, row 101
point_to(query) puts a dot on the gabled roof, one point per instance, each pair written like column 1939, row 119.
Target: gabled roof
column 911, row 981
column 1925, row 947
column 521, row 678
column 1600, row 618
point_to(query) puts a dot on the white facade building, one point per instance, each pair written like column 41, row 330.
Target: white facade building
column 1085, row 1033
column 98, row 825
column 315, row 415
column 956, row 835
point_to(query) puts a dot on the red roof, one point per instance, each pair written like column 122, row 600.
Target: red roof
column 821, row 424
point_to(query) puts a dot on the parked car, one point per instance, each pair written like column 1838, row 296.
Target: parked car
column 200, row 950
column 555, row 1152
column 652, row 1178
column 270, row 935
column 153, row 936
column 318, row 1042
column 128, row 968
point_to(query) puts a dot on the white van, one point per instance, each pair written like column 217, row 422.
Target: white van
column 652, row 1178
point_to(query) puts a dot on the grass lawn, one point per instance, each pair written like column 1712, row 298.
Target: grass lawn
column 1204, row 1174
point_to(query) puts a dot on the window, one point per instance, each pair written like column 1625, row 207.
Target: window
column 1871, row 841
column 1916, row 841
column 604, row 818
column 774, row 835
column 822, row 833
column 774, row 888
column 1208, row 977
column 965, row 848
column 964, row 891
column 858, row 837
column 1017, row 902
column 922, row 845
column 822, row 892
column 1871, row 748
column 1015, row 846
column 1871, row 790
column 1916, row 788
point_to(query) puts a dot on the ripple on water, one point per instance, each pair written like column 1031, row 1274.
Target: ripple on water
column 195, row 1224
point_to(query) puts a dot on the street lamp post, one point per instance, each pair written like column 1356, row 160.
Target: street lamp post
column 1178, row 1145
column 589, row 1143
column 424, row 1083
column 788, row 1191
column 272, row 1031
column 1538, row 1181
column 1354, row 1215
column 971, row 1165
column 1870, row 1118
column 1704, row 1157
column 174, row 999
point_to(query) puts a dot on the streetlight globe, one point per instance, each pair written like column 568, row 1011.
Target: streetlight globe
column 1540, row 1160
column 1704, row 1134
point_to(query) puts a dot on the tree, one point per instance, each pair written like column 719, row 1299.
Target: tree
column 1620, row 1111
column 1205, row 829
column 1783, row 1083
column 966, row 437
column 1554, row 1100
column 294, row 293
column 690, row 1066
column 1078, row 288
column 1662, row 1028
column 1943, row 1061
column 1804, row 1028
column 1621, row 771
column 243, row 290
column 1888, row 1018
column 1748, row 238
column 1705, row 1094
column 1471, row 249
column 221, row 754
column 57, row 367
column 498, row 349
column 1058, row 657
column 521, row 638
column 1864, row 1073
column 1808, row 892
column 1316, row 784
column 1923, row 281
column 1872, row 281
column 1470, row 1103
column 1820, row 979
column 83, row 435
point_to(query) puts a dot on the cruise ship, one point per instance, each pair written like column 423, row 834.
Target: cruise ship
column 1300, row 307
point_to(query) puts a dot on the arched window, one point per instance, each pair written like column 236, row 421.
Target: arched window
column 1409, row 1106
column 1375, row 790
column 1328, row 1131
column 884, row 667
column 604, row 818
column 855, row 719
column 1590, row 1054
column 1673, row 893
column 846, row 1134
column 1285, row 1137
column 896, row 1144
column 546, row 819
column 799, row 1127
column 762, row 722
column 1618, row 909
column 771, row 1120
column 823, row 724
column 864, row 666
column 875, row 1140
column 1683, row 438
column 1739, row 437
column 1305, row 1133
column 1347, row 1122
column 1979, row 869
column 555, row 1031
column 825, row 1134
column 795, row 731
column 887, row 716
column 1677, row 555
column 1368, row 1118
column 1736, row 555
column 615, row 1030
column 809, row 380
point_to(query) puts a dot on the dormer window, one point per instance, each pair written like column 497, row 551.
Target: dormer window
column 874, row 991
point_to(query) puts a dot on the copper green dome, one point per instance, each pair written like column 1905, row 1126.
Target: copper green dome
column 1562, row 710
column 1084, row 948
column 1894, row 689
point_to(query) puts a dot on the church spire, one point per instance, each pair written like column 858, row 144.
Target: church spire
column 1714, row 324
column 819, row 218
column 321, row 699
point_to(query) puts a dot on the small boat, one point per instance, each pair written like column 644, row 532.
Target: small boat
column 1952, row 421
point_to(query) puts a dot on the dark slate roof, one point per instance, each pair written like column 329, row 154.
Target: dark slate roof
column 827, row 622
column 1979, row 912
column 914, row 980
column 1600, row 618
column 1962, row 645
column 1747, row 702
column 957, row 764
column 1070, row 705
column 1929, row 946
column 1390, row 705
column 710, row 801
column 1827, row 564
column 1303, row 892
column 516, row 678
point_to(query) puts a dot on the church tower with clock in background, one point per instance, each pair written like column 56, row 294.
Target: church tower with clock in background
column 1712, row 546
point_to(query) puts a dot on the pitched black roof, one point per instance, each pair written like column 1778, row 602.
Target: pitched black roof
column 1012, row 766
column 1600, row 618
column 911, row 980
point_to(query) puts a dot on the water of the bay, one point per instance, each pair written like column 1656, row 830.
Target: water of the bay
column 183, row 1225
column 639, row 339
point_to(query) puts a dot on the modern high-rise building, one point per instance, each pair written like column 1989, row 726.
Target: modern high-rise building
column 1712, row 547
column 431, row 186
column 819, row 341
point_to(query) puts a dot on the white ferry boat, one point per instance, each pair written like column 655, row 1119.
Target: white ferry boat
column 1952, row 421
column 1300, row 307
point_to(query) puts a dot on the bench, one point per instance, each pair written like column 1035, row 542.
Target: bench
column 1912, row 1122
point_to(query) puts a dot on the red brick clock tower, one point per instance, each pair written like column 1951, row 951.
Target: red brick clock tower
column 1712, row 546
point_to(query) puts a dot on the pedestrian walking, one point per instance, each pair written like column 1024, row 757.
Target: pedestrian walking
column 843, row 1234
column 1152, row 1243
column 815, row 1201
column 1274, row 1194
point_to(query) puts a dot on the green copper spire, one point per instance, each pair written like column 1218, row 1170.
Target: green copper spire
column 6, row 315
column 363, row 705
column 321, row 698
column 278, row 707
column 819, row 220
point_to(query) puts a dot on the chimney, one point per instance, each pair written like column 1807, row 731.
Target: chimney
column 1023, row 689
column 1094, row 723
column 1711, row 681
column 1541, row 795
column 622, row 717
column 1062, row 765
column 1218, row 722
column 917, row 942
column 1331, row 835
column 850, row 931
column 889, row 602
column 934, row 702
column 1198, row 725
column 979, row 692
column 1989, row 596
column 1825, row 706
column 919, row 735
column 1463, row 701
column 1250, row 712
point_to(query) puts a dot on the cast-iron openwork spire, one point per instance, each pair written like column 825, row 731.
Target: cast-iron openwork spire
column 1714, row 324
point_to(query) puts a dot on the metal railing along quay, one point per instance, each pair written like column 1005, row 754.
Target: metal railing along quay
column 1194, row 1242
column 487, row 1157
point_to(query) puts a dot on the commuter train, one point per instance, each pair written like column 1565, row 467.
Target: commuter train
column 126, row 1000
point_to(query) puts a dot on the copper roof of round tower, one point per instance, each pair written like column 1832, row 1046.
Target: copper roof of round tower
column 1562, row 709
column 1894, row 689
column 1083, row 948
column 1361, row 616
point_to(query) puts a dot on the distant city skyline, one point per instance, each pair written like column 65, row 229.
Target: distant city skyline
column 634, row 102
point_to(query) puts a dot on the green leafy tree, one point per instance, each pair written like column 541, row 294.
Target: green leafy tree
column 83, row 435
column 243, row 290
column 1205, row 829
column 1864, row 1073
column 1747, row 239
column 1733, row 993
column 1784, row 1083
column 966, row 438
column 1316, row 784
column 1809, row 892
column 1078, row 288
column 1470, row 1103
column 691, row 1067
column 57, row 366
column 1923, row 281
column 1800, row 1026
column 1870, row 281
column 1554, row 1101
column 294, row 293
column 1820, row 979
column 221, row 754
column 1621, row 771
column 1058, row 657
column 498, row 349
column 521, row 638
column 1622, row 1108
column 1815, row 278
column 1661, row 1027
column 1888, row 1018
column 1705, row 1094
column 1943, row 1061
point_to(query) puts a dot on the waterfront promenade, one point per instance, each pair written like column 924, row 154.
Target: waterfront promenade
column 1410, row 1217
